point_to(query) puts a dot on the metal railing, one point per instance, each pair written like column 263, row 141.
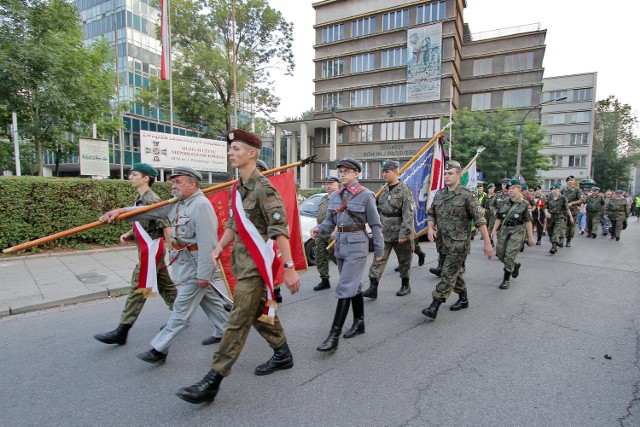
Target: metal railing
column 501, row 32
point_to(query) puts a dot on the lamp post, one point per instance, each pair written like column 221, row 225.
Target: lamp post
column 518, row 175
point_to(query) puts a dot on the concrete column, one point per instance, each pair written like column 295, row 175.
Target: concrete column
column 333, row 143
column 304, row 153
column 293, row 148
column 288, row 149
column 276, row 146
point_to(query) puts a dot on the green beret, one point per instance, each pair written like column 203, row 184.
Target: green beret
column 145, row 169
column 556, row 186
column 514, row 182
column 480, row 186
column 452, row 164
column 185, row 171
column 490, row 185
column 525, row 187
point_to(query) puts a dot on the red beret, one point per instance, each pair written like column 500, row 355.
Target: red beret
column 246, row 137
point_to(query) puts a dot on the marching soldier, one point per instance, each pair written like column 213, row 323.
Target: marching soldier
column 537, row 213
column 395, row 206
column 618, row 212
column 323, row 256
column 595, row 204
column 514, row 222
column 350, row 209
column 556, row 210
column 501, row 196
column 574, row 199
column 452, row 210
column 489, row 207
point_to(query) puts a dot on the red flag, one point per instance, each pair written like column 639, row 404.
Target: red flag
column 165, row 65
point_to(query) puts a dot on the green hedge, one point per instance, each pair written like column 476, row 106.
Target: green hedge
column 34, row 207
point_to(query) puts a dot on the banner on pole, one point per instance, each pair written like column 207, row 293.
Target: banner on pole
column 424, row 63
column 94, row 156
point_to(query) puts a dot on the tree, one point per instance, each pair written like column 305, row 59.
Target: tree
column 56, row 84
column 203, row 64
column 615, row 146
column 497, row 132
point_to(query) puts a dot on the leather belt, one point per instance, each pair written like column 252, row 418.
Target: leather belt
column 350, row 228
column 190, row 248
column 392, row 215
column 512, row 224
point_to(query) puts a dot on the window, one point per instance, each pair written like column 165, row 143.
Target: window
column 361, row 133
column 364, row 26
column 392, row 131
column 516, row 98
column 362, row 98
column 366, row 170
column 582, row 94
column 482, row 66
column 580, row 117
column 579, row 138
column 555, row 119
column 393, row 94
column 555, row 160
column 431, row 12
column 557, row 139
column 556, row 94
column 549, row 182
column 362, row 63
column 577, row 161
column 332, row 101
column 394, row 20
column 394, row 57
column 333, row 68
column 481, row 101
column 333, row 33
column 518, row 62
column 423, row 129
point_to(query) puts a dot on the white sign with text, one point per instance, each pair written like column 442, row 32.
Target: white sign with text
column 163, row 150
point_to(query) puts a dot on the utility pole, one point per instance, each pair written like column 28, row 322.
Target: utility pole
column 16, row 144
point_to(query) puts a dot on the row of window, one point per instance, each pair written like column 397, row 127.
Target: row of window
column 514, row 62
column 581, row 138
column 389, row 131
column 567, row 118
column 568, row 161
column 582, row 94
column 365, row 62
column 394, row 94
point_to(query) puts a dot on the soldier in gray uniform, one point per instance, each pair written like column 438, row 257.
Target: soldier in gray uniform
column 395, row 206
column 193, row 237
column 323, row 255
column 350, row 209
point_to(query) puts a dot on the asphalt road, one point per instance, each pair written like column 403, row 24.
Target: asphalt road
column 533, row 355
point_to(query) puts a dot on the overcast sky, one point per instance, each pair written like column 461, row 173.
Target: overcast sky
column 582, row 37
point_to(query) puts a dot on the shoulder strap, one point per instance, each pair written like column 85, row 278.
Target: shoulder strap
column 511, row 210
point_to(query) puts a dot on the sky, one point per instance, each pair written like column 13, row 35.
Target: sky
column 582, row 37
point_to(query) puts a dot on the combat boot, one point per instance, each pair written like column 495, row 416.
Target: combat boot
column 505, row 281
column 539, row 242
column 117, row 336
column 516, row 270
column 405, row 289
column 277, row 294
column 153, row 356
column 432, row 311
column 435, row 270
column 554, row 248
column 331, row 343
column 463, row 302
column 568, row 245
column 560, row 243
column 324, row 284
column 372, row 292
column 421, row 258
column 281, row 359
column 203, row 391
column 357, row 328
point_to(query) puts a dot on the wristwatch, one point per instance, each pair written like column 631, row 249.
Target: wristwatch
column 289, row 264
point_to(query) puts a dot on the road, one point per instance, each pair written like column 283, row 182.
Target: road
column 533, row 355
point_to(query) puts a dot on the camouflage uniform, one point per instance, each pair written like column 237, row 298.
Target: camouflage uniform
column 537, row 216
column 594, row 210
column 617, row 211
column 558, row 209
column 323, row 256
column 489, row 210
column 572, row 194
column 512, row 231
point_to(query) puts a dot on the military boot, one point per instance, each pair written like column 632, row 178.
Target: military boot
column 405, row 289
column 561, row 243
column 372, row 292
column 277, row 294
column 568, row 245
column 437, row 270
column 432, row 311
column 539, row 242
column 324, row 284
column 331, row 343
column 117, row 336
column 553, row 249
column 505, row 281
column 463, row 302
column 516, row 270
column 357, row 328
column 281, row 359
column 421, row 258
column 203, row 391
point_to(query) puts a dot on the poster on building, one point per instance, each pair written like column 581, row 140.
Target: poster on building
column 163, row 150
column 424, row 48
column 94, row 156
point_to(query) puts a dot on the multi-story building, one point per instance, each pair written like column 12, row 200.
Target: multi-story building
column 570, row 125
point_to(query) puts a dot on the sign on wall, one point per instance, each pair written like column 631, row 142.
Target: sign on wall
column 94, row 156
column 424, row 70
column 163, row 150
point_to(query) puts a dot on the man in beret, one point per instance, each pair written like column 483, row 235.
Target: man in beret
column 574, row 199
column 323, row 256
column 595, row 205
column 618, row 212
column 452, row 211
column 395, row 206
column 142, row 177
column 261, row 165
column 556, row 209
column 257, row 217
column 193, row 237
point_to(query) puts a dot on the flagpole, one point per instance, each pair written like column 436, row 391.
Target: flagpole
column 478, row 152
column 235, row 78
column 170, row 66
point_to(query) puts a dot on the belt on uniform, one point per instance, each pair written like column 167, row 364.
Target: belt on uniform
column 512, row 224
column 350, row 228
column 392, row 215
column 190, row 248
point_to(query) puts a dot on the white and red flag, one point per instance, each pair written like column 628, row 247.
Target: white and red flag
column 151, row 252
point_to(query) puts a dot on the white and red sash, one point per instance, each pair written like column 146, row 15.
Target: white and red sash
column 151, row 252
column 262, row 253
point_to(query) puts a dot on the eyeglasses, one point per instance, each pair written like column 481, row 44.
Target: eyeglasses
column 345, row 171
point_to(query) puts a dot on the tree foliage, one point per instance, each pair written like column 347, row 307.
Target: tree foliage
column 497, row 132
column 615, row 145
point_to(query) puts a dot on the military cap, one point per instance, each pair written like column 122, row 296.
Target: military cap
column 490, row 185
column 570, row 177
column 186, row 171
column 554, row 186
column 536, row 188
column 390, row 164
column 619, row 192
column 514, row 181
column 480, row 186
column 348, row 162
column 452, row 164
column 144, row 168
column 244, row 136
column 329, row 178
column 506, row 180
column 261, row 165
column 525, row 186
column 595, row 188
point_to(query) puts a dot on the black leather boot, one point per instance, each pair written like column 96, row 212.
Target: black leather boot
column 432, row 310
column 516, row 270
column 539, row 242
column 324, row 284
column 396, row 269
column 421, row 258
column 372, row 292
column 204, row 391
column 331, row 343
column 505, row 281
column 463, row 302
column 561, row 243
column 553, row 249
column 278, row 295
column 437, row 270
column 568, row 245
column 405, row 289
column 357, row 328
column 153, row 356
column 281, row 359
column 117, row 336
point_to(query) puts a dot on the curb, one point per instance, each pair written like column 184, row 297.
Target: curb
column 119, row 248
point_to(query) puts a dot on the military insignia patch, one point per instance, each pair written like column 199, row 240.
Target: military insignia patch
column 516, row 216
column 276, row 216
column 479, row 209
column 231, row 136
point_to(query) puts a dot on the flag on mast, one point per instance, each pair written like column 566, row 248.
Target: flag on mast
column 165, row 65
column 469, row 178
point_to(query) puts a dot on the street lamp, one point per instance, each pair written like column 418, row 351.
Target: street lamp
column 519, row 158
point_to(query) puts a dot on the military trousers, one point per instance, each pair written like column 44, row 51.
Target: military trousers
column 323, row 256
column 451, row 279
column 593, row 222
column 538, row 225
column 571, row 226
column 616, row 226
column 190, row 296
column 249, row 298
column 135, row 301
column 555, row 228
column 509, row 243
column 404, row 252
column 416, row 247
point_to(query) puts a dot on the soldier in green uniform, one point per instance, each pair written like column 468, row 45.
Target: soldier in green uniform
column 574, row 199
column 395, row 206
column 489, row 207
column 142, row 177
column 452, row 210
column 618, row 212
column 323, row 256
column 537, row 213
column 595, row 204
column 514, row 222
column 265, row 220
column 556, row 210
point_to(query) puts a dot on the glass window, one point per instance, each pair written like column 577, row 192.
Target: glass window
column 482, row 66
column 362, row 63
column 364, row 26
column 362, row 98
column 333, row 68
column 481, row 101
column 392, row 131
column 579, row 138
column 517, row 98
column 333, row 33
column 577, row 161
column 366, row 170
column 556, row 94
column 423, row 129
column 582, row 94
column 332, row 101
column 518, row 62
column 431, row 12
column 394, row 57
column 361, row 133
column 393, row 94
column 395, row 20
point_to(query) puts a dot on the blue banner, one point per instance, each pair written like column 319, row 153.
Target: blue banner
column 418, row 178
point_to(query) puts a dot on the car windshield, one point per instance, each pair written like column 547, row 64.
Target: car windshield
column 310, row 206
